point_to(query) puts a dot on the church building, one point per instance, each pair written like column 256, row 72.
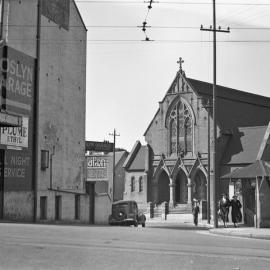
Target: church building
column 176, row 164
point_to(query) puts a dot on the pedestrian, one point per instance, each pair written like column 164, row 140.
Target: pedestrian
column 223, row 209
column 236, row 212
column 195, row 211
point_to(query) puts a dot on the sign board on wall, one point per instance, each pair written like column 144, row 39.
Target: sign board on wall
column 57, row 11
column 11, row 120
column 97, row 168
column 98, row 146
column 17, row 142
column 15, row 136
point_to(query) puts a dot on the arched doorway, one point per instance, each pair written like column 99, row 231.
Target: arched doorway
column 163, row 188
column 181, row 188
column 200, row 186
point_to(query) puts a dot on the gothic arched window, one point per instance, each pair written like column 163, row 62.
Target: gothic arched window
column 180, row 128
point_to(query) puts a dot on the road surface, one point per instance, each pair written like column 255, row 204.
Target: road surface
column 28, row 246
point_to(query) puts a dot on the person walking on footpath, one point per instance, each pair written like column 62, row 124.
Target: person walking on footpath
column 195, row 211
column 223, row 209
column 236, row 212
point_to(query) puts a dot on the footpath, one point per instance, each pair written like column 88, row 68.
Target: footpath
column 246, row 232
column 242, row 231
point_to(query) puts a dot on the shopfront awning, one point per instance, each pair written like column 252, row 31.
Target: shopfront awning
column 259, row 168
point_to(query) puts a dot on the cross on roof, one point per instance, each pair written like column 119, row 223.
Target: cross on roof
column 180, row 62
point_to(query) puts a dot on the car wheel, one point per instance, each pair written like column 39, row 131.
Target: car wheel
column 143, row 225
column 135, row 223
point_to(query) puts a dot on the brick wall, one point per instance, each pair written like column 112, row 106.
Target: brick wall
column 18, row 205
column 139, row 196
column 67, row 208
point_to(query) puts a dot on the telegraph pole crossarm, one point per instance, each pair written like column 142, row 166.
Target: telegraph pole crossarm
column 214, row 29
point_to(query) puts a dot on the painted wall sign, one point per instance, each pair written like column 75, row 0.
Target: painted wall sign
column 15, row 136
column 98, row 146
column 17, row 170
column 19, row 82
column 97, row 168
column 57, row 11
column 17, row 75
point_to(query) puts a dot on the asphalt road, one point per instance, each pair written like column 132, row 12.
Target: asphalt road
column 27, row 246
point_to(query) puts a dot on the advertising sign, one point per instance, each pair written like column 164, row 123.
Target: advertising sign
column 15, row 136
column 98, row 146
column 19, row 82
column 7, row 119
column 97, row 168
column 17, row 71
column 57, row 11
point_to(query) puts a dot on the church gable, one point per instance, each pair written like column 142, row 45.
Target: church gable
column 161, row 167
column 180, row 87
column 177, row 109
column 198, row 165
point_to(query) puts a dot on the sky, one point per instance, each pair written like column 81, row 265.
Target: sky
column 127, row 76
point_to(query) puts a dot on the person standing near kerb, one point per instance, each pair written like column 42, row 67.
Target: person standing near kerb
column 223, row 209
column 195, row 211
column 236, row 212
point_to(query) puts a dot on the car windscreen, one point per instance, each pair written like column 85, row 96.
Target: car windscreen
column 123, row 207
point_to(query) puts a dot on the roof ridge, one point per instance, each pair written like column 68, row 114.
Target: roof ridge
column 229, row 88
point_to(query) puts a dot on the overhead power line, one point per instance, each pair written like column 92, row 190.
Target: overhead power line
column 144, row 24
column 180, row 41
column 64, row 42
column 173, row 3
column 134, row 26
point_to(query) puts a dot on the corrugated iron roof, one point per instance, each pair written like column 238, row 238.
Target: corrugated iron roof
column 259, row 168
column 244, row 145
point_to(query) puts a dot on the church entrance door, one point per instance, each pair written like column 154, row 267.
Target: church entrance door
column 181, row 188
column 200, row 190
column 163, row 188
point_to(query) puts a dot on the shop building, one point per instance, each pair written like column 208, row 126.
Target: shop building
column 43, row 53
column 106, row 185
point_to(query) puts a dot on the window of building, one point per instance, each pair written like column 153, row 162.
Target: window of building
column 77, row 206
column 132, row 184
column 43, row 207
column 140, row 184
column 58, row 207
column 180, row 128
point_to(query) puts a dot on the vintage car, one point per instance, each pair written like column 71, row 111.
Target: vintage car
column 126, row 213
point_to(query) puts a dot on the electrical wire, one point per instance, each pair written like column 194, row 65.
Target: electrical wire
column 144, row 24
column 65, row 42
column 173, row 3
column 134, row 26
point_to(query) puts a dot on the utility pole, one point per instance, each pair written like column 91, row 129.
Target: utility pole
column 215, row 178
column 114, row 140
column 208, row 106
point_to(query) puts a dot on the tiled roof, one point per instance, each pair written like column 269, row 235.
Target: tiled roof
column 118, row 155
column 139, row 161
column 244, row 145
column 259, row 168
column 204, row 88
